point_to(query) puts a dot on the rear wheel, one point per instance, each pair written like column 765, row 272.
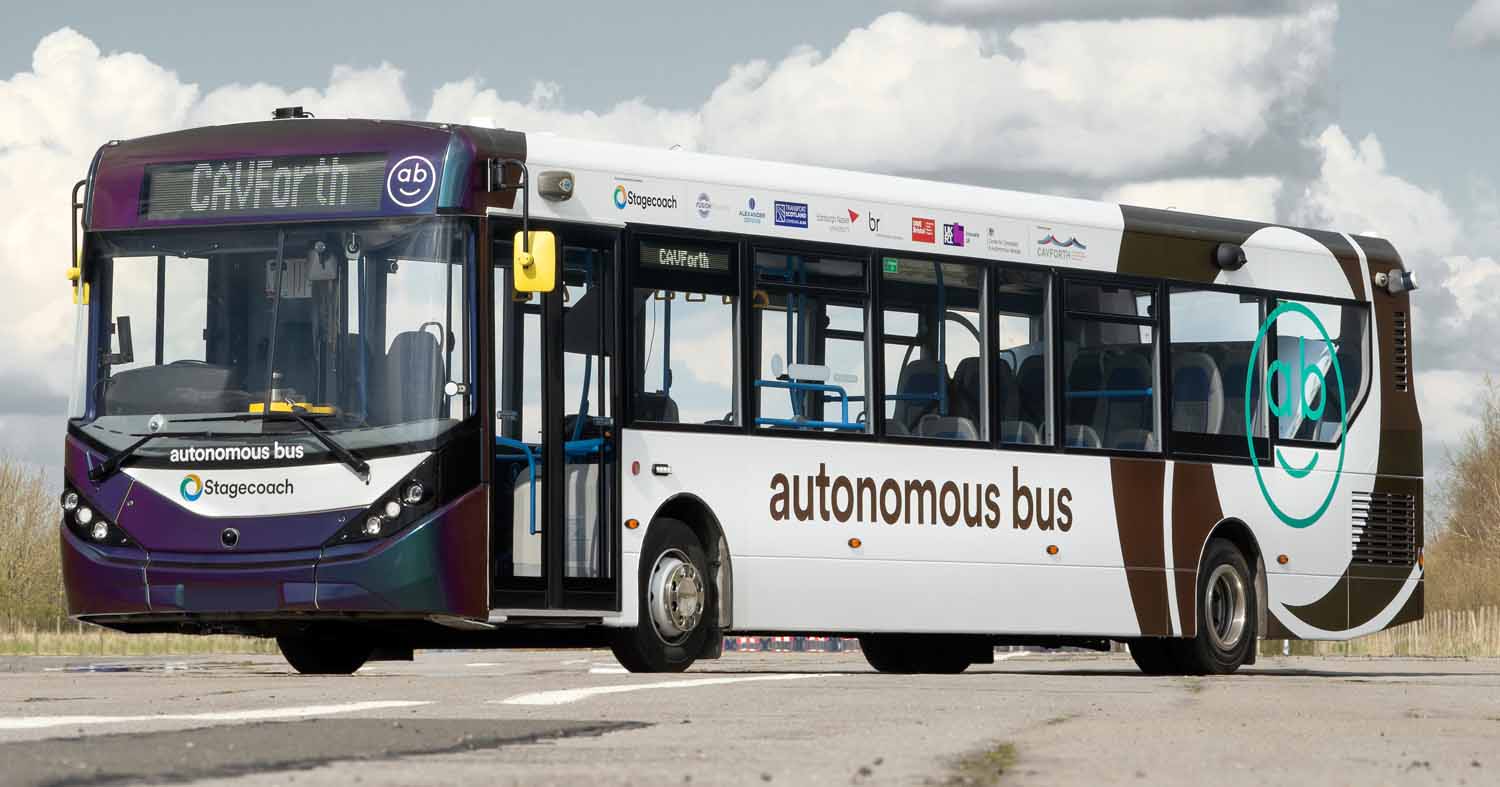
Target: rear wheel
column 314, row 655
column 675, row 598
column 1226, row 614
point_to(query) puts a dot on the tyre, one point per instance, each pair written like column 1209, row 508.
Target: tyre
column 1226, row 614
column 676, row 599
column 907, row 654
column 312, row 655
column 1156, row 656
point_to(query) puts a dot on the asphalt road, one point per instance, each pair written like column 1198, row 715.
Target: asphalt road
column 575, row 717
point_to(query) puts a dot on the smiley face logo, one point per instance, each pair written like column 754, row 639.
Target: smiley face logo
column 411, row 181
column 1298, row 392
column 191, row 488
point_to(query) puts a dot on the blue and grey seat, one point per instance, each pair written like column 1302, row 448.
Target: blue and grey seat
column 1197, row 393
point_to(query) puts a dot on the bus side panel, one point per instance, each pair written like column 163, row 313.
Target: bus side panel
column 950, row 539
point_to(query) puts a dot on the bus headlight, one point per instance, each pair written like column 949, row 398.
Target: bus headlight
column 83, row 516
column 403, row 505
column 90, row 524
column 373, row 526
column 414, row 493
column 69, row 501
column 100, row 531
column 392, row 510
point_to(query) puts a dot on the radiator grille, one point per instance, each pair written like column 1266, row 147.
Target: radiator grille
column 1384, row 529
column 1401, row 357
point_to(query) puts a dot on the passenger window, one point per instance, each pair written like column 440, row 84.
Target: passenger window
column 1109, row 362
column 685, row 308
column 1212, row 370
column 935, row 380
column 810, row 322
column 1311, row 370
column 1022, row 314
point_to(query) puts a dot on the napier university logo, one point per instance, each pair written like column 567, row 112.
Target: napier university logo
column 411, row 181
column 192, row 487
column 620, row 197
column 1300, row 394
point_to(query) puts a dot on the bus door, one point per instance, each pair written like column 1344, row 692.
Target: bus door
column 553, row 544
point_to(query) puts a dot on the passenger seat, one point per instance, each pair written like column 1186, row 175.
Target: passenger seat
column 1197, row 393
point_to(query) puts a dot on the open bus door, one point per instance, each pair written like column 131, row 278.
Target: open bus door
column 554, row 543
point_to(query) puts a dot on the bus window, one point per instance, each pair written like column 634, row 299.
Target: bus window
column 810, row 319
column 1109, row 357
column 1212, row 335
column 1022, row 312
column 1303, row 383
column 935, row 381
column 687, row 367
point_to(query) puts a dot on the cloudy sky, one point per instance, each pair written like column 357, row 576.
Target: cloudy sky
column 1375, row 117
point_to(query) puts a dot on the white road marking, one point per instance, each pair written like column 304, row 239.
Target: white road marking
column 608, row 671
column 1012, row 655
column 262, row 714
column 565, row 696
column 484, row 664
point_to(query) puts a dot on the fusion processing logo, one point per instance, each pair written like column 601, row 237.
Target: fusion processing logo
column 1299, row 394
column 191, row 488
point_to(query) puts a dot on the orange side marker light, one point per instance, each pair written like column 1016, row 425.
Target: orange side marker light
column 1052, row 549
column 855, row 543
column 1283, row 559
column 631, row 524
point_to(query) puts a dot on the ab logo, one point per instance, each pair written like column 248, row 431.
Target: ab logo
column 1296, row 392
column 411, row 181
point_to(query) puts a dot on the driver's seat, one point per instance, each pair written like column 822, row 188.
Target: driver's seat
column 413, row 384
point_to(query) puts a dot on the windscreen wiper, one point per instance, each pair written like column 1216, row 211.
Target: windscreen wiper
column 360, row 467
column 112, row 464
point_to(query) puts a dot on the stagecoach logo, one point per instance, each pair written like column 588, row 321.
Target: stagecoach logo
column 194, row 486
column 625, row 197
column 1298, row 394
column 411, row 181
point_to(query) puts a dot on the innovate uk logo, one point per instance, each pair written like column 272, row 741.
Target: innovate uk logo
column 1300, row 395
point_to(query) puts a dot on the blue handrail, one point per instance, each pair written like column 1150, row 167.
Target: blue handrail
column 530, row 468
column 795, row 385
column 1128, row 393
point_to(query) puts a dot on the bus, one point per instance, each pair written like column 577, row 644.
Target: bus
column 412, row 385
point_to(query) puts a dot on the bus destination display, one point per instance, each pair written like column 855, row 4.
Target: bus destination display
column 684, row 257
column 264, row 186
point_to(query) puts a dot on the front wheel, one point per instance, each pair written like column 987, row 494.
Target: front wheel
column 907, row 654
column 324, row 655
column 676, row 600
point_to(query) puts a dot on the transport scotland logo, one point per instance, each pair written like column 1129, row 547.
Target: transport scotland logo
column 1298, row 393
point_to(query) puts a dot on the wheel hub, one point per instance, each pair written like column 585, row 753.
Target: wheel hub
column 1226, row 607
column 676, row 596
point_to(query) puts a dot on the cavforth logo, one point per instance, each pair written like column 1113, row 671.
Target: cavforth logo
column 1298, row 394
column 1070, row 243
column 192, row 487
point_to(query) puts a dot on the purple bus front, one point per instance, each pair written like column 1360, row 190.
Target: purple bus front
column 275, row 420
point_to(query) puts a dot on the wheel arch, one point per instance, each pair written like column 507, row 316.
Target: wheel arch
column 690, row 510
column 1237, row 532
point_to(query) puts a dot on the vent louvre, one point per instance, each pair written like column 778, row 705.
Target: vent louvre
column 1383, row 529
column 1401, row 357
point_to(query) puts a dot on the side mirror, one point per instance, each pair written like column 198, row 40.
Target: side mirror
column 535, row 262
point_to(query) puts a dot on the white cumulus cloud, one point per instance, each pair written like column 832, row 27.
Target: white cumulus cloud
column 1254, row 198
column 1480, row 25
column 1027, row 10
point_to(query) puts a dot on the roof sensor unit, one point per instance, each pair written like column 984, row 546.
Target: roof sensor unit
column 1396, row 281
column 289, row 113
column 1229, row 256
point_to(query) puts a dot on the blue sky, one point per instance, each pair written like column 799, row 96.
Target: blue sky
column 1372, row 117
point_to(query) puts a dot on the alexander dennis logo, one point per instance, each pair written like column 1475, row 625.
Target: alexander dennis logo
column 194, row 486
column 1298, row 393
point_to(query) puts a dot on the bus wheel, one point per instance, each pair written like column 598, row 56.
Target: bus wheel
column 312, row 655
column 1226, row 614
column 904, row 654
column 675, row 603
